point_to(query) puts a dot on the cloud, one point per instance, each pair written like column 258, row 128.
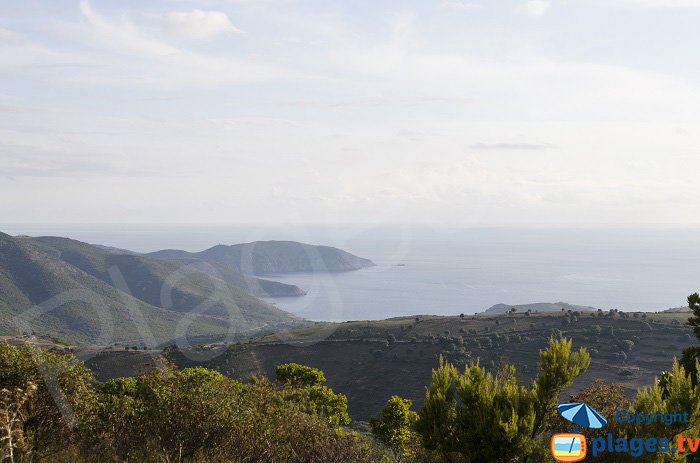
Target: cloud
column 460, row 5
column 31, row 161
column 198, row 24
column 143, row 60
column 7, row 35
column 665, row 4
column 124, row 37
column 535, row 7
column 512, row 146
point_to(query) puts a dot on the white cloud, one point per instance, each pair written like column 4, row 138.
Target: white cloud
column 535, row 7
column 522, row 135
column 198, row 24
column 124, row 37
column 143, row 60
column 8, row 35
column 667, row 4
column 460, row 5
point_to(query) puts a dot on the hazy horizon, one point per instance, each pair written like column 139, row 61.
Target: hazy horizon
column 448, row 271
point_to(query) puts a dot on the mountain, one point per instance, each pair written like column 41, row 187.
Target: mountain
column 539, row 307
column 96, row 260
column 678, row 309
column 272, row 257
column 71, row 291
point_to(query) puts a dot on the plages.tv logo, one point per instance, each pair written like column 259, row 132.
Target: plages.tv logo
column 571, row 447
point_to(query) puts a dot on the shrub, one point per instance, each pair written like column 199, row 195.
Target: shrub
column 395, row 428
column 475, row 412
column 193, row 415
column 295, row 375
column 45, row 422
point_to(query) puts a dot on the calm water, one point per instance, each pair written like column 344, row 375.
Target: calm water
column 450, row 271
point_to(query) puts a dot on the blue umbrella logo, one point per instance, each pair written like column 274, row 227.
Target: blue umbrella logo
column 582, row 415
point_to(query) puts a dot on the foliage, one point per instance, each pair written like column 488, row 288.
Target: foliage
column 12, row 420
column 606, row 399
column 694, row 306
column 321, row 401
column 304, row 386
column 673, row 392
column 557, row 368
column 63, row 397
column 193, row 415
column 690, row 356
column 395, row 428
column 493, row 417
column 296, row 375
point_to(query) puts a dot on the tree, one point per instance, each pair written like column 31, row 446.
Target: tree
column 395, row 428
column 627, row 345
column 694, row 306
column 193, row 415
column 557, row 368
column 674, row 391
column 437, row 418
column 296, row 375
column 321, row 401
column 492, row 418
column 691, row 355
column 606, row 399
column 304, row 385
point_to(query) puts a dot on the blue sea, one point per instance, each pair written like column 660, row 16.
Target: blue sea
column 424, row 270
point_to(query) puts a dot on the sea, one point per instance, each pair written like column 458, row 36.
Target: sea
column 446, row 271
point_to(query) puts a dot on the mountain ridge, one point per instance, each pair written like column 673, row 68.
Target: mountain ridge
column 272, row 257
column 78, row 278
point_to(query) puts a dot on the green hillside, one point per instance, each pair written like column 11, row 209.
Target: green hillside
column 370, row 361
column 145, row 274
column 273, row 257
column 38, row 270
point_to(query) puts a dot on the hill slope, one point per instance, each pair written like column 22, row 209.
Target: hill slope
column 370, row 361
column 273, row 257
column 145, row 276
column 72, row 282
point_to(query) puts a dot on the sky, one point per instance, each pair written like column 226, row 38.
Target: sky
column 508, row 113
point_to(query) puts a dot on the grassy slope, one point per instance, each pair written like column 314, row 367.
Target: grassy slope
column 256, row 286
column 33, row 271
column 145, row 277
column 404, row 368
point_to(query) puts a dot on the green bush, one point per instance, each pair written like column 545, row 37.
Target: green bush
column 294, row 374
column 194, row 415
column 472, row 414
